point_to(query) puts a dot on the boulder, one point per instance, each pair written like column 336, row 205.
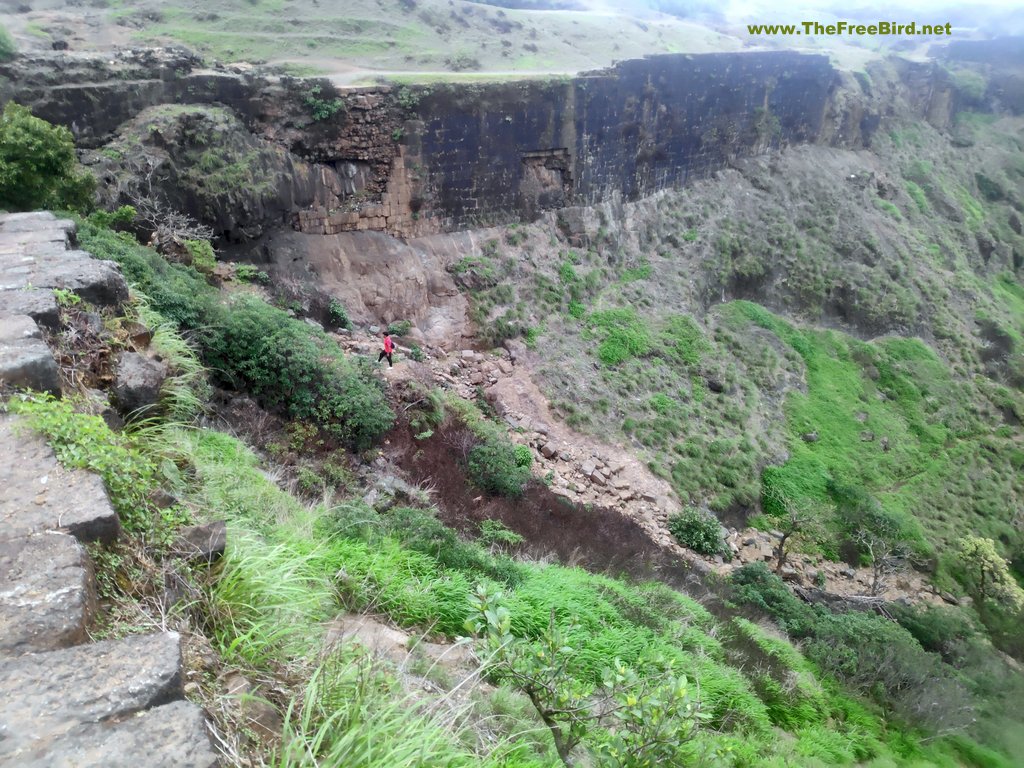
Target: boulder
column 43, row 697
column 202, row 542
column 47, row 592
column 170, row 736
column 137, row 384
column 25, row 360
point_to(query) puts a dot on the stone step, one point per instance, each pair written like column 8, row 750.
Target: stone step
column 38, row 494
column 47, row 593
column 47, row 697
column 35, row 254
column 25, row 360
column 171, row 736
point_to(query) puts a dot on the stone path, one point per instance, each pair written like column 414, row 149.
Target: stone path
column 66, row 701
column 37, row 256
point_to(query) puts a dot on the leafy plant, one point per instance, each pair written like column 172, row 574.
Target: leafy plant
column 648, row 718
column 697, row 530
column 38, row 167
column 202, row 255
column 321, row 108
column 338, row 314
column 8, row 48
column 400, row 328
column 498, row 467
column 249, row 273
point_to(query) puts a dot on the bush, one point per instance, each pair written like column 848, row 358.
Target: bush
column 338, row 314
column 698, row 531
column 249, row 344
column 247, row 273
column 286, row 363
column 38, row 168
column 203, row 257
column 494, row 465
column 8, row 48
column 399, row 328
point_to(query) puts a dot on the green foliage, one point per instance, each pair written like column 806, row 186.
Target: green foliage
column 321, row 108
column 86, row 442
column 8, row 48
column 249, row 273
column 648, row 718
column 38, row 168
column 66, row 298
column 623, row 335
column 868, row 654
column 681, row 340
column 400, row 328
column 248, row 343
column 286, row 363
column 918, row 196
column 203, row 257
column 698, row 531
column 338, row 314
column 123, row 216
column 989, row 574
column 496, row 466
column 495, row 534
column 889, row 208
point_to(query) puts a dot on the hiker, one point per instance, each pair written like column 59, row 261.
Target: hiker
column 389, row 347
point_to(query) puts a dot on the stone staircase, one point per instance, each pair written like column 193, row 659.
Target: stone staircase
column 66, row 702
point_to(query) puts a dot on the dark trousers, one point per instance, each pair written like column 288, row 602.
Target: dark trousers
column 384, row 354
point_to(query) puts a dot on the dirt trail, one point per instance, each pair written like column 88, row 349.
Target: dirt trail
column 594, row 475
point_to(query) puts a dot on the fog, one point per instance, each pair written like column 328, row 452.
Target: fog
column 991, row 17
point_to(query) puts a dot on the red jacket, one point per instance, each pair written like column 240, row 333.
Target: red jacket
column 389, row 345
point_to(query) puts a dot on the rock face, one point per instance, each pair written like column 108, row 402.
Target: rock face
column 137, row 384
column 427, row 160
column 202, row 159
column 376, row 277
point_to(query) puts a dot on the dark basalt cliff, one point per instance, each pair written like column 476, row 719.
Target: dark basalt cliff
column 421, row 159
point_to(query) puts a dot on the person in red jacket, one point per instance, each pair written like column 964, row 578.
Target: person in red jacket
column 389, row 347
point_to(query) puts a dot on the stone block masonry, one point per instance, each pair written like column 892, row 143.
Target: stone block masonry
column 67, row 702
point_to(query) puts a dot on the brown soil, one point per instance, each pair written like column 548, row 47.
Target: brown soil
column 597, row 538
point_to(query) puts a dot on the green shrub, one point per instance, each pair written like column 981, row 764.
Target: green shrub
column 248, row 273
column 698, row 531
column 400, row 327
column 248, row 343
column 38, row 167
column 321, row 108
column 338, row 314
column 623, row 335
column 8, row 48
column 286, row 363
column 203, row 257
column 495, row 466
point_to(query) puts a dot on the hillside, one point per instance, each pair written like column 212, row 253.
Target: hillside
column 701, row 447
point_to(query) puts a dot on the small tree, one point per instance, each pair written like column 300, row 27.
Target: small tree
column 795, row 520
column 882, row 538
column 38, row 168
column 989, row 575
column 633, row 721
